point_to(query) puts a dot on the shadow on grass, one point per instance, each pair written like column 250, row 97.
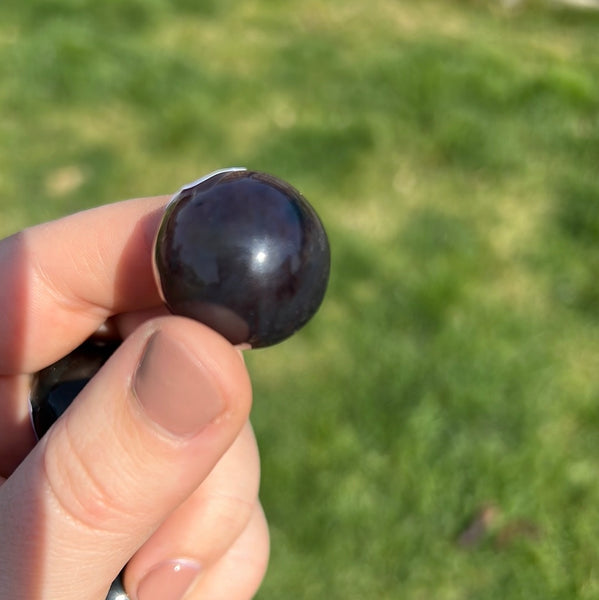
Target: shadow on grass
column 576, row 248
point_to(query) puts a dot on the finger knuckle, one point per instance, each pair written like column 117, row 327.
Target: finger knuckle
column 76, row 485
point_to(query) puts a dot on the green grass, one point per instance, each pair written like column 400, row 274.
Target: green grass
column 452, row 150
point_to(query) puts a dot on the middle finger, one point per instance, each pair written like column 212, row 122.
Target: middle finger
column 204, row 527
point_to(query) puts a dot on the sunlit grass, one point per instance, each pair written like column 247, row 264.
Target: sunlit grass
column 452, row 150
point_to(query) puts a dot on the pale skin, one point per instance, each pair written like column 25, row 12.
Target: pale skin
column 152, row 466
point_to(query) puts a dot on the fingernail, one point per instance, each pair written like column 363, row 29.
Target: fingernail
column 169, row 580
column 240, row 348
column 174, row 388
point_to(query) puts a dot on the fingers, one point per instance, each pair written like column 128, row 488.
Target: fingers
column 61, row 280
column 209, row 522
column 16, row 433
column 238, row 574
column 137, row 442
column 204, row 529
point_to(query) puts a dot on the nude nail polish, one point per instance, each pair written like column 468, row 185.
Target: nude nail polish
column 174, row 388
column 169, row 580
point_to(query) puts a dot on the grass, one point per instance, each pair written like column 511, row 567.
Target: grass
column 452, row 150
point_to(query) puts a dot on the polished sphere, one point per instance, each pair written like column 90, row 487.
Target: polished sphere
column 54, row 388
column 244, row 253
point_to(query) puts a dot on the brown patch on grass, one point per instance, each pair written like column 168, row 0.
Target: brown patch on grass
column 64, row 180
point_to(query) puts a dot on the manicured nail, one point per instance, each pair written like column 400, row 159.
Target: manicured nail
column 175, row 389
column 168, row 581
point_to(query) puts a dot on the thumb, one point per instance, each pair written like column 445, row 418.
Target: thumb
column 139, row 439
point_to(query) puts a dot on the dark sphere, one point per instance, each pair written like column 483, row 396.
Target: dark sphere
column 54, row 388
column 244, row 253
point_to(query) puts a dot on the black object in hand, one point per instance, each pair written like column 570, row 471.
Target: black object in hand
column 244, row 253
column 55, row 387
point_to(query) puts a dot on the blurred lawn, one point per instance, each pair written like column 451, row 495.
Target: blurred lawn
column 452, row 149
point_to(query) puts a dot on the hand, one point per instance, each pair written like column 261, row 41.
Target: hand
column 155, row 460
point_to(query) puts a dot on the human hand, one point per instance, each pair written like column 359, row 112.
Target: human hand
column 156, row 459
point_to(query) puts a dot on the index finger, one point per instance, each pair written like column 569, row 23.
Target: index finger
column 61, row 280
